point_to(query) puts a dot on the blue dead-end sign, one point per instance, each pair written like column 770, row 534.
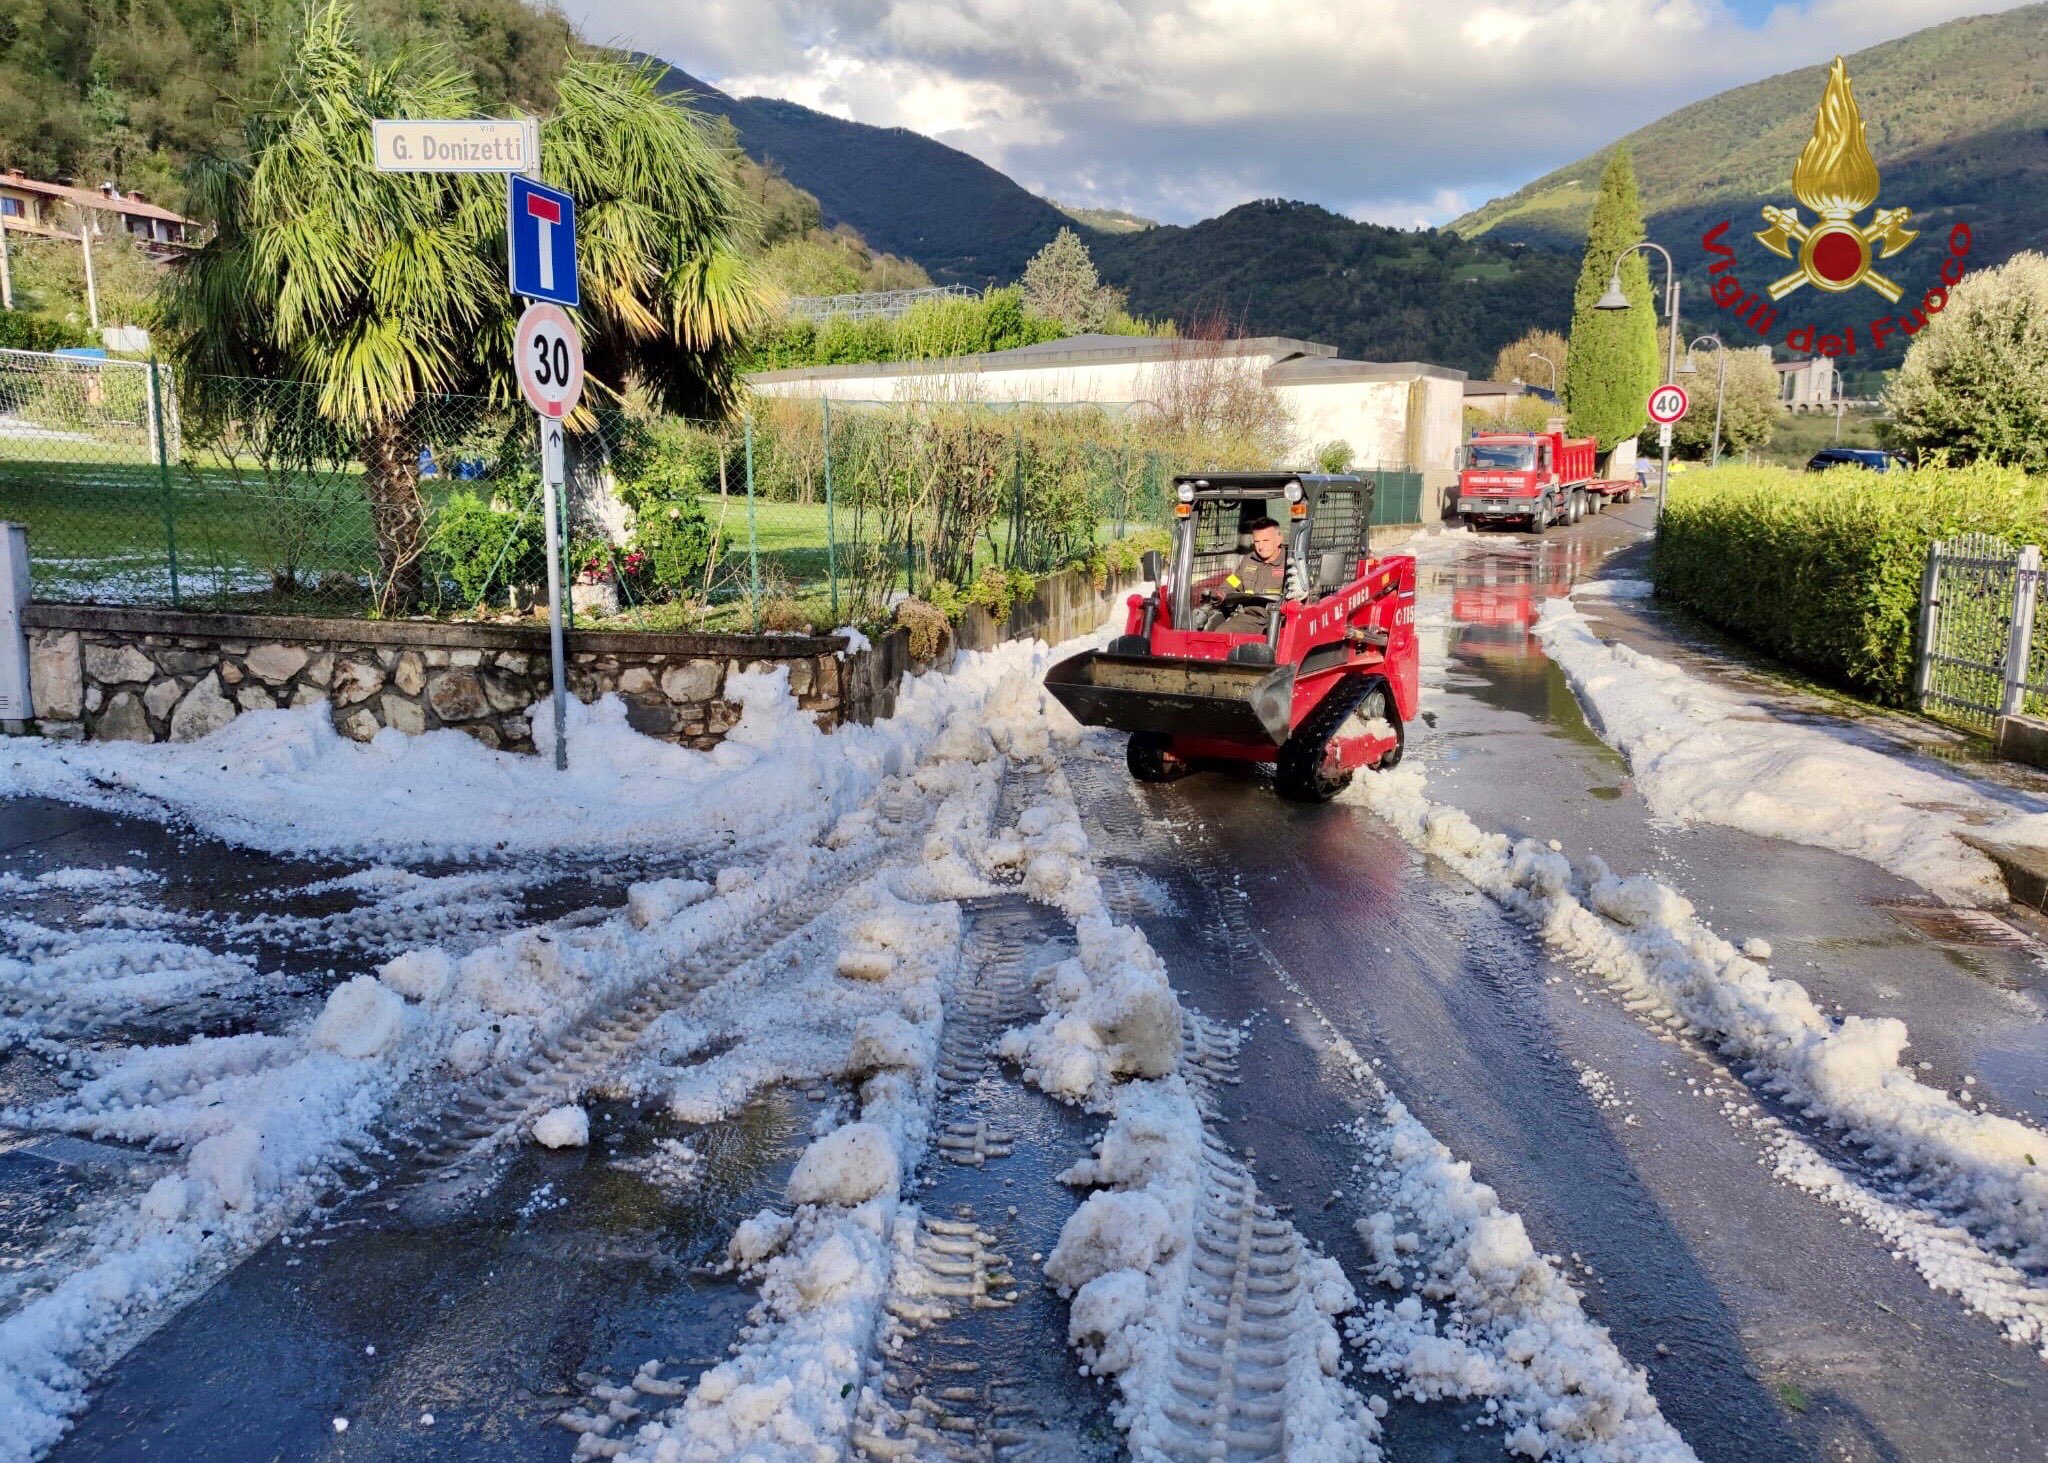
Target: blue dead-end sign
column 541, row 238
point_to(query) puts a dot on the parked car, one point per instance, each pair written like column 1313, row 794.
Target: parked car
column 1870, row 459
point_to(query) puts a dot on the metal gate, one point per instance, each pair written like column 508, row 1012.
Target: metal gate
column 1977, row 658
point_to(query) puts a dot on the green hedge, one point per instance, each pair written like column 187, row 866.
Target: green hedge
column 20, row 331
column 1823, row 569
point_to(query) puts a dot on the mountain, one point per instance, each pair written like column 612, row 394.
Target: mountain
column 1281, row 268
column 1106, row 220
column 902, row 192
column 1269, row 268
column 1956, row 117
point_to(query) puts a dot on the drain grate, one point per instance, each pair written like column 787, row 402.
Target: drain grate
column 1973, row 927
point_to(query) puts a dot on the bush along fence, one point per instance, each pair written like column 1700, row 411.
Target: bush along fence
column 239, row 496
column 1832, row 572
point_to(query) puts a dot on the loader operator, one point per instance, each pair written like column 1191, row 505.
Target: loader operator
column 1263, row 571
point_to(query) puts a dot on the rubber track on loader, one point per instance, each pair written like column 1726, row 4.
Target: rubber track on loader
column 1300, row 758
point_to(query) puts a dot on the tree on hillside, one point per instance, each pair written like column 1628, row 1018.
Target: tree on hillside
column 1060, row 283
column 1748, row 415
column 1974, row 383
column 377, row 291
column 1513, row 363
column 1613, row 353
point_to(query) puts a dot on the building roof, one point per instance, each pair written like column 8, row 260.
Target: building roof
column 1310, row 371
column 1092, row 349
column 130, row 204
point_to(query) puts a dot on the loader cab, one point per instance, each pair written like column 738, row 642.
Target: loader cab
column 1325, row 523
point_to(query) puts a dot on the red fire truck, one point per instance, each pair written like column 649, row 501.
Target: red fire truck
column 1531, row 478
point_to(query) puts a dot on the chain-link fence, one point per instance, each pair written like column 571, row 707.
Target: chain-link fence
column 241, row 495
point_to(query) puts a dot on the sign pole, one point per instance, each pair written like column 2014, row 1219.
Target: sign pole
column 550, row 477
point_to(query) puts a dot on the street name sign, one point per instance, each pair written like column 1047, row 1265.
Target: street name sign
column 448, row 145
column 540, row 242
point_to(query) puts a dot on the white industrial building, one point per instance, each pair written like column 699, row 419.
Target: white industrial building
column 1401, row 414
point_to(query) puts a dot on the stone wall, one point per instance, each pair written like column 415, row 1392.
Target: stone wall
column 155, row 675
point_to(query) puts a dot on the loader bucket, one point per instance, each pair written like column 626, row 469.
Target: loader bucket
column 1210, row 699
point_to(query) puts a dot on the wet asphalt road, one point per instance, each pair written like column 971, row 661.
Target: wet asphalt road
column 1770, row 1328
column 1785, row 1331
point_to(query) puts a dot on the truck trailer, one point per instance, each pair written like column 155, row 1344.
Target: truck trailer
column 1533, row 479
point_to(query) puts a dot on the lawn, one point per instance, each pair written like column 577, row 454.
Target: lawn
column 1795, row 438
column 103, row 526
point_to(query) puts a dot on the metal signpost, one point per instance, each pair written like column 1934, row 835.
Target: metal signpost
column 548, row 354
column 1666, row 405
column 540, row 250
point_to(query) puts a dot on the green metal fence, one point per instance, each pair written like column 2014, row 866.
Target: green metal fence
column 1397, row 496
column 240, row 495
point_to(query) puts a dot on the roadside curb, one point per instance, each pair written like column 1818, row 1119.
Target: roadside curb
column 2025, row 870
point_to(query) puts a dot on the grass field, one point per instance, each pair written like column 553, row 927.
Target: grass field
column 1796, row 438
column 105, row 528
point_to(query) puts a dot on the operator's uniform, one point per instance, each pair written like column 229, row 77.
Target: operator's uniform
column 1253, row 575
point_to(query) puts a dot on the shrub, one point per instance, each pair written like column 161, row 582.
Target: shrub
column 483, row 548
column 998, row 590
column 1334, row 456
column 928, row 627
column 1823, row 569
column 1974, row 383
column 673, row 539
column 21, row 331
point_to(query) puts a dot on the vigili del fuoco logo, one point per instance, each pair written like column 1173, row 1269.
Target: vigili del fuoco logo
column 1836, row 178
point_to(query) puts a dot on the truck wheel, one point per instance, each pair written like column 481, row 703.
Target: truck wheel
column 1539, row 521
column 1150, row 758
column 1577, row 509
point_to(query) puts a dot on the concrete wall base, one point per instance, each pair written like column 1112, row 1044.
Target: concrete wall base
column 2023, row 739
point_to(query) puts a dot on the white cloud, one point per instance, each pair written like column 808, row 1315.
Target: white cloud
column 1411, row 107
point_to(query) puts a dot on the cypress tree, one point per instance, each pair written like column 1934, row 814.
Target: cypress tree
column 1612, row 362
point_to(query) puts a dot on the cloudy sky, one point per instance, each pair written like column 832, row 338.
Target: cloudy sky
column 1398, row 111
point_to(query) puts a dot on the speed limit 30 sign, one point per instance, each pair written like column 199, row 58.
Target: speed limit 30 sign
column 548, row 355
column 1667, row 404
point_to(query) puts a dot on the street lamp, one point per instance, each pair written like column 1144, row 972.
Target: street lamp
column 1720, row 384
column 1614, row 299
column 1553, row 369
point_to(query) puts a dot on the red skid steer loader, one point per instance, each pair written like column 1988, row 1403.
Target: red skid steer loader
column 1318, row 681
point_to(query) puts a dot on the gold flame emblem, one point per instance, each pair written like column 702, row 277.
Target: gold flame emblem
column 1837, row 178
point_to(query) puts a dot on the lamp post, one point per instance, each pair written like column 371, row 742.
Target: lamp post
column 1687, row 368
column 1614, row 299
column 1553, row 369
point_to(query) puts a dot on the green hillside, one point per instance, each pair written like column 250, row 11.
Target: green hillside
column 1956, row 116
column 1282, row 268
column 130, row 92
column 1106, row 220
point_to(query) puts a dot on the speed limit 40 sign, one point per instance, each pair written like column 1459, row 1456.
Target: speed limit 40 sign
column 548, row 355
column 1667, row 404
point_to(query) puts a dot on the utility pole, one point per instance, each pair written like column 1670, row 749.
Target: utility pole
column 6, row 274
column 92, row 290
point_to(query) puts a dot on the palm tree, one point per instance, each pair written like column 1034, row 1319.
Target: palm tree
column 378, row 291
